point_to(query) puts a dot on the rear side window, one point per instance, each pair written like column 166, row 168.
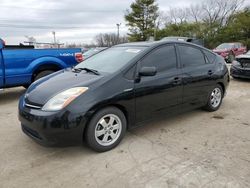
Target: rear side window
column 210, row 56
column 191, row 56
column 163, row 58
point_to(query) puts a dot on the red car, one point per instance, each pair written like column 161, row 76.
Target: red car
column 229, row 50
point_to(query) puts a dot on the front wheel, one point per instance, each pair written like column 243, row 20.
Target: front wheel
column 106, row 129
column 215, row 99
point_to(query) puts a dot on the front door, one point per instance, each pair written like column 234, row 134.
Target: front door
column 157, row 94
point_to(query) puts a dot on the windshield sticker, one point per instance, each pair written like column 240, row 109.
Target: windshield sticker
column 133, row 50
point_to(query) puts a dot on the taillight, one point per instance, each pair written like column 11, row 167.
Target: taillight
column 79, row 57
column 3, row 42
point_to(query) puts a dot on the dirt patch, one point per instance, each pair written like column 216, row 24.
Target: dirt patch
column 218, row 117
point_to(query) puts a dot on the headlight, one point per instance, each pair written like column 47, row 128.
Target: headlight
column 236, row 64
column 62, row 99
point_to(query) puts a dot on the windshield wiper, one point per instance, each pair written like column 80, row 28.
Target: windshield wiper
column 87, row 70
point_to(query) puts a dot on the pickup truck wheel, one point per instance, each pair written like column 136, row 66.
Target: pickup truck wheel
column 42, row 74
column 26, row 86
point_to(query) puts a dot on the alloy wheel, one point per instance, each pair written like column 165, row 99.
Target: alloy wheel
column 108, row 130
column 215, row 97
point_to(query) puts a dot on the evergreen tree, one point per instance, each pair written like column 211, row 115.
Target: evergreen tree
column 141, row 19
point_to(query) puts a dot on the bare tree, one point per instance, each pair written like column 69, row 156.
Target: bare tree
column 177, row 15
column 209, row 11
column 194, row 12
column 31, row 40
column 161, row 21
column 218, row 11
column 109, row 39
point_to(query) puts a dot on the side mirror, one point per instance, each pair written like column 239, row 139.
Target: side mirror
column 1, row 44
column 148, row 71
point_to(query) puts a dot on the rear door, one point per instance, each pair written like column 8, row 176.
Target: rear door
column 1, row 70
column 197, row 75
column 155, row 95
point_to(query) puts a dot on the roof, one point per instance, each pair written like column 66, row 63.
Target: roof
column 231, row 43
column 155, row 43
column 144, row 43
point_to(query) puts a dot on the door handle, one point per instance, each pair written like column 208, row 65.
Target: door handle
column 177, row 81
column 210, row 72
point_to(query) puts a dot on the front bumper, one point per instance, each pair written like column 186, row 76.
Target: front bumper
column 52, row 128
column 239, row 72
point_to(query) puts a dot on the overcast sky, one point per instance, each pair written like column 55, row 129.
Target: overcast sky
column 72, row 20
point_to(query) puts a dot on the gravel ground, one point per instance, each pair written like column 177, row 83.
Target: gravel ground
column 195, row 149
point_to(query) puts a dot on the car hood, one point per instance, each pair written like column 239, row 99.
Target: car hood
column 245, row 56
column 220, row 50
column 44, row 89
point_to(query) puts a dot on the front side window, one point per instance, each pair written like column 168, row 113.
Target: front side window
column 163, row 58
column 191, row 56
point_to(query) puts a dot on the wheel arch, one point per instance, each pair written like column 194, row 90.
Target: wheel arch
column 45, row 63
column 43, row 67
column 94, row 111
column 222, row 86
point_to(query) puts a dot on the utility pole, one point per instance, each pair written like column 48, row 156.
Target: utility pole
column 54, row 35
column 118, row 32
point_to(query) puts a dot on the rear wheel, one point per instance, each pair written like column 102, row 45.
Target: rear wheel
column 40, row 75
column 26, row 86
column 215, row 99
column 43, row 74
column 106, row 129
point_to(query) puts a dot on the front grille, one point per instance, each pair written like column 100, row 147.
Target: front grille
column 32, row 106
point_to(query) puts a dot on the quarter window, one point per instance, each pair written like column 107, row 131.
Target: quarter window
column 191, row 56
column 210, row 56
column 163, row 58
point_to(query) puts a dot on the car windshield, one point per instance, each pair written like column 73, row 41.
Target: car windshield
column 224, row 46
column 91, row 52
column 110, row 60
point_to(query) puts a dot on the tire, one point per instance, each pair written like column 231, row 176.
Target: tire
column 38, row 76
column 42, row 74
column 26, row 86
column 101, row 129
column 215, row 95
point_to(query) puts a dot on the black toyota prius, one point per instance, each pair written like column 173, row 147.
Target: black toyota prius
column 119, row 89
